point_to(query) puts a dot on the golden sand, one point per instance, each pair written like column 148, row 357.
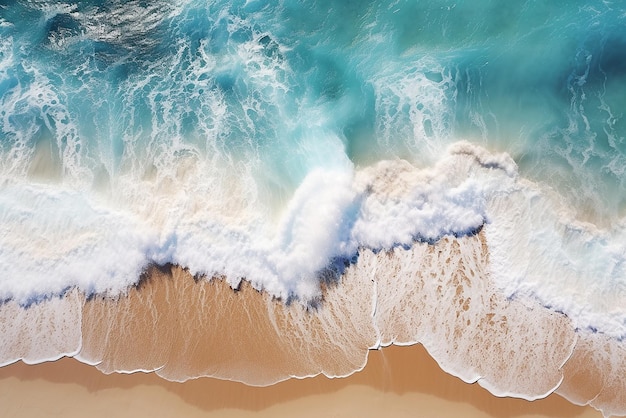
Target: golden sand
column 185, row 328
column 182, row 327
column 398, row 381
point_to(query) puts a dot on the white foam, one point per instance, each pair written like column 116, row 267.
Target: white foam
column 53, row 240
column 539, row 250
column 401, row 203
column 331, row 215
column 410, row 104
column 475, row 305
column 26, row 111
column 442, row 296
column 43, row 332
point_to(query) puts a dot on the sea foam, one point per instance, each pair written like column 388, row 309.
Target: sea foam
column 421, row 254
column 74, row 241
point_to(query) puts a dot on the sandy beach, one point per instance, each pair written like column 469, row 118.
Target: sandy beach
column 399, row 381
column 176, row 325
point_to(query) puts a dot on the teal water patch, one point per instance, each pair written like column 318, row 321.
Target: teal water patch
column 550, row 97
column 119, row 81
column 284, row 86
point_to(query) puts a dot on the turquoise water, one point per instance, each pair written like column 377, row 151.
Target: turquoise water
column 228, row 137
column 108, row 83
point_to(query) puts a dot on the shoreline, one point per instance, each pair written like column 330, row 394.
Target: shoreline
column 400, row 380
column 181, row 327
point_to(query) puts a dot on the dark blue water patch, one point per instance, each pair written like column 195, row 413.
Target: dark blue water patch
column 595, row 331
column 62, row 26
column 327, row 76
column 512, row 90
column 336, row 268
column 226, row 82
column 469, row 232
column 65, row 40
column 602, row 78
column 612, row 59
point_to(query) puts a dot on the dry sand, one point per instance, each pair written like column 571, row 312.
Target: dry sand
column 398, row 381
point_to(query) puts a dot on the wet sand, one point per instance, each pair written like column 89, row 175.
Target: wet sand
column 398, row 381
column 173, row 320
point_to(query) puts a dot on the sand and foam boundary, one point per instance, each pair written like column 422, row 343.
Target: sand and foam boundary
column 439, row 295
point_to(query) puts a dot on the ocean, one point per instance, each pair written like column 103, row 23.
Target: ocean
column 341, row 175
